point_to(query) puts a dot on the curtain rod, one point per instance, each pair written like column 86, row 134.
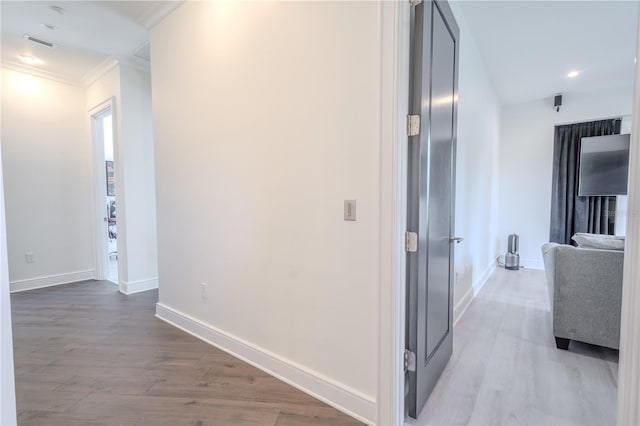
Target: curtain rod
column 617, row 117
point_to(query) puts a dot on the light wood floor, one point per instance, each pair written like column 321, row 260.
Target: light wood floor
column 506, row 370
column 87, row 355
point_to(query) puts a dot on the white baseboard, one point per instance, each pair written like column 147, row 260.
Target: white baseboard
column 336, row 394
column 532, row 263
column 138, row 286
column 462, row 305
column 51, row 280
column 475, row 288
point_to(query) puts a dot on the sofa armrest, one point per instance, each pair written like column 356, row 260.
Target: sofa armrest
column 587, row 294
column 549, row 258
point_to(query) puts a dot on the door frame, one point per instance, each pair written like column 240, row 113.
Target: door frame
column 99, row 191
column 395, row 18
column 628, row 377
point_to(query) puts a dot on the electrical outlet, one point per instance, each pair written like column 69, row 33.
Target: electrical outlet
column 30, row 257
column 203, row 290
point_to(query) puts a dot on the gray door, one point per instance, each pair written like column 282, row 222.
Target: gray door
column 431, row 197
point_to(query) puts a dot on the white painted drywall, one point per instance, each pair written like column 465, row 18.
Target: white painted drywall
column 103, row 88
column 526, row 156
column 136, row 154
column 47, row 175
column 266, row 118
column 137, row 245
column 7, row 381
column 476, row 170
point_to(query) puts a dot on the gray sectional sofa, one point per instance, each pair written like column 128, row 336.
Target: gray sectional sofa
column 585, row 291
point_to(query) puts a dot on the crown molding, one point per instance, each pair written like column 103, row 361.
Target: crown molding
column 89, row 78
column 137, row 63
column 99, row 71
column 147, row 43
column 36, row 72
column 154, row 15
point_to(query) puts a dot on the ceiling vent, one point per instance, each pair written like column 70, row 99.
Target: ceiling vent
column 37, row 40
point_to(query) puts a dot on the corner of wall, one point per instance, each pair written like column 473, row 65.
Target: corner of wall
column 131, row 287
column 465, row 301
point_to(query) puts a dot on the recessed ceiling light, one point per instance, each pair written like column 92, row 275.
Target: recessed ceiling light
column 573, row 74
column 57, row 9
column 29, row 60
column 48, row 26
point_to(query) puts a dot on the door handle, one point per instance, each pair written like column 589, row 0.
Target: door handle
column 105, row 219
column 456, row 239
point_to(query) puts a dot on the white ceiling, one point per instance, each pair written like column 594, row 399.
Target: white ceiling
column 87, row 34
column 530, row 46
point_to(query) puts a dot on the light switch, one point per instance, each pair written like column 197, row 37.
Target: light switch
column 350, row 210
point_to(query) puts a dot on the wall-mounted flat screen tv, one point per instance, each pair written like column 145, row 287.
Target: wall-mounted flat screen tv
column 604, row 165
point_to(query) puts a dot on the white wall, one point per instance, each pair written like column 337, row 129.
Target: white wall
column 7, row 381
column 477, row 171
column 47, row 174
column 526, row 156
column 266, row 118
column 139, row 178
column 135, row 185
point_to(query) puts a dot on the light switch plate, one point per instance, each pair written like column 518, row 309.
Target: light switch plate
column 350, row 210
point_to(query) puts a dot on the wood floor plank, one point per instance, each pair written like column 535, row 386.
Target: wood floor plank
column 52, row 418
column 314, row 416
column 88, row 355
column 47, row 400
column 159, row 410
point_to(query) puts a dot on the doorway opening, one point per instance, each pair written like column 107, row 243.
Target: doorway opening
column 110, row 201
column 105, row 166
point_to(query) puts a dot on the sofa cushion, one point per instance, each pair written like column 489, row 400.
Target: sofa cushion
column 599, row 241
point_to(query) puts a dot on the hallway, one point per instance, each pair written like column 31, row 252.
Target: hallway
column 86, row 354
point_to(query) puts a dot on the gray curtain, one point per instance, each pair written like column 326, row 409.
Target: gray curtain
column 570, row 213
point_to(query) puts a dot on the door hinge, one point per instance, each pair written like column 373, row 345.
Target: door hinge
column 413, row 125
column 410, row 242
column 409, row 360
column 414, row 2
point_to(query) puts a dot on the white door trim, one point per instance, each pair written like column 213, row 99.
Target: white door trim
column 629, row 367
column 394, row 79
column 101, row 257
